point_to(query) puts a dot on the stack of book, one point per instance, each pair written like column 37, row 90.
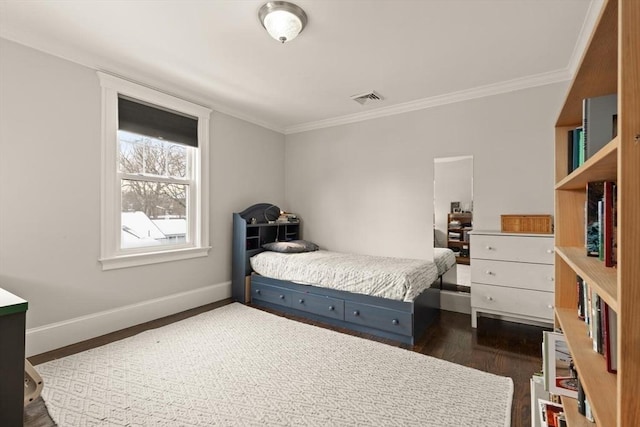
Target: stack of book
column 601, row 321
column 599, row 126
column 601, row 210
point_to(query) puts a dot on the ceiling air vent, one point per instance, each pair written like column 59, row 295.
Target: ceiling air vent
column 366, row 98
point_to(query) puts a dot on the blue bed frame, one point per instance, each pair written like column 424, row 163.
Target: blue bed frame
column 391, row 319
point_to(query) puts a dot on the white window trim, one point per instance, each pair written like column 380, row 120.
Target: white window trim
column 111, row 256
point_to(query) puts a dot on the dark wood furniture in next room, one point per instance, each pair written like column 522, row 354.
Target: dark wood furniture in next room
column 458, row 227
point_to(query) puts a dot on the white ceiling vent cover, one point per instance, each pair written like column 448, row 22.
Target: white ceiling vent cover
column 366, row 98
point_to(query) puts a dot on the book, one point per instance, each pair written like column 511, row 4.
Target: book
column 548, row 410
column 601, row 229
column 536, row 384
column 595, row 321
column 580, row 145
column 580, row 287
column 581, row 398
column 614, row 227
column 558, row 366
column 570, row 145
column 597, row 122
column 609, row 210
column 595, row 193
column 610, row 332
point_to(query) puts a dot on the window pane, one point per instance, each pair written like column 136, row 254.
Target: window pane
column 153, row 213
column 143, row 155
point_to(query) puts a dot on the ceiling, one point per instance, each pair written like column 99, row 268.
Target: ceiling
column 415, row 53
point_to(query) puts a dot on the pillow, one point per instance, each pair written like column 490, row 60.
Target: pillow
column 308, row 246
column 291, row 247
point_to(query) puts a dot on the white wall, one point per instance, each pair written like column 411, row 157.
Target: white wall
column 367, row 187
column 50, row 206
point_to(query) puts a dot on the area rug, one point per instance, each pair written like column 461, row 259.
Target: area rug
column 237, row 365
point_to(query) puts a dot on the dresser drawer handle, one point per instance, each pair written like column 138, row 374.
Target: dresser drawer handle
column 331, row 308
column 281, row 296
column 549, row 251
column 395, row 321
column 356, row 313
column 301, row 301
column 489, row 298
column 489, row 248
column 490, row 273
column 550, row 306
column 551, row 279
column 258, row 291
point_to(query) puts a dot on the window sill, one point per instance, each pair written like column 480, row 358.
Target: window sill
column 126, row 261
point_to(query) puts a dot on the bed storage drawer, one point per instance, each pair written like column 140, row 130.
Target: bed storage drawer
column 378, row 317
column 272, row 294
column 526, row 302
column 318, row 304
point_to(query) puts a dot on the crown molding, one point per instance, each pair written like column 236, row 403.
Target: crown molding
column 557, row 76
column 588, row 26
column 435, row 101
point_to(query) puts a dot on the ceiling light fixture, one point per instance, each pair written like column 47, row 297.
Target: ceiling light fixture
column 282, row 20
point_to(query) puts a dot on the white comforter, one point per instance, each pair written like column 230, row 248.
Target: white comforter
column 394, row 278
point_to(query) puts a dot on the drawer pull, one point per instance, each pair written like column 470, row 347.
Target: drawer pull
column 281, row 296
column 356, row 313
column 395, row 321
column 550, row 306
column 551, row 279
column 258, row 291
column 489, row 248
column 490, row 273
column 489, row 298
column 301, row 301
column 549, row 251
column 331, row 308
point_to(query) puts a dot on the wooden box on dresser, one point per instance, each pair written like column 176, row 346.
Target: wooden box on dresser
column 610, row 64
column 512, row 276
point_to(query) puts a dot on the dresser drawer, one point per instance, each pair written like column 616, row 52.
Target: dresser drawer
column 272, row 294
column 324, row 306
column 378, row 317
column 537, row 277
column 513, row 248
column 512, row 301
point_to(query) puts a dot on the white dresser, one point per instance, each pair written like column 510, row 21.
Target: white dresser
column 512, row 276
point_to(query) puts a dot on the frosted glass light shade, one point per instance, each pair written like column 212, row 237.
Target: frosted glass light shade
column 282, row 20
column 282, row 25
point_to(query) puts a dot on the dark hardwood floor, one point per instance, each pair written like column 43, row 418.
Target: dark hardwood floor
column 499, row 347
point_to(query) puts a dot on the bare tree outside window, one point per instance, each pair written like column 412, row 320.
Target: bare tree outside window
column 154, row 182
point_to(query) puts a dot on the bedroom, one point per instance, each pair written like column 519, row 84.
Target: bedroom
column 362, row 186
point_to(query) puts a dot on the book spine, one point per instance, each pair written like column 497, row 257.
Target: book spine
column 608, row 211
column 581, row 398
column 595, row 193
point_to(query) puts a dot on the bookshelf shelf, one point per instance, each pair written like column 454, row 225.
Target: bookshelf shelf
column 603, row 279
column 610, row 64
column 574, row 418
column 601, row 167
column 592, row 370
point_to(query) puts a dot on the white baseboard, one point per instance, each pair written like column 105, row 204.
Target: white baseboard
column 60, row 334
column 460, row 302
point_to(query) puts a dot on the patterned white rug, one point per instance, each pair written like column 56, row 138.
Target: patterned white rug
column 237, row 365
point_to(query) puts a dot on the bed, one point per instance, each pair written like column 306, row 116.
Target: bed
column 445, row 260
column 341, row 289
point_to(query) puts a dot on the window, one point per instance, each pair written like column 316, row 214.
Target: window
column 155, row 176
